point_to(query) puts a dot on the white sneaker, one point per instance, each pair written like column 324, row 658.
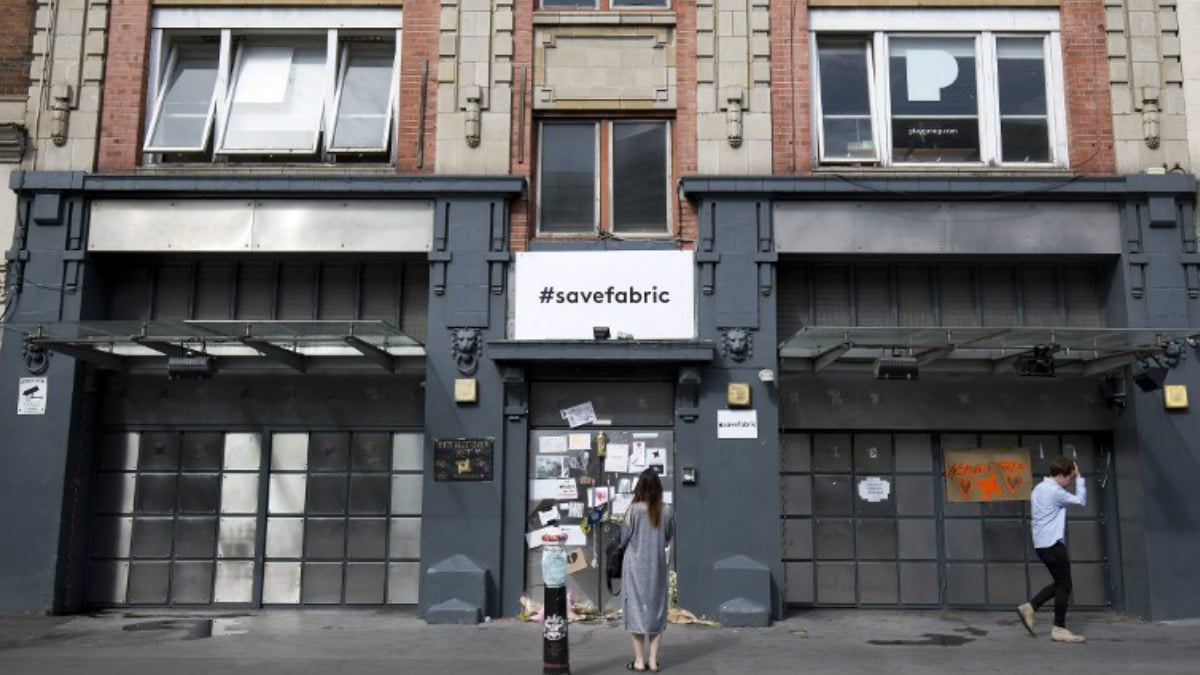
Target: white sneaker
column 1059, row 634
column 1025, row 611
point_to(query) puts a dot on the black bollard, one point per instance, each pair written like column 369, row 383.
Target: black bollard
column 556, row 657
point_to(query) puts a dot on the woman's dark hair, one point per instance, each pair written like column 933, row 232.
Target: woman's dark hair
column 649, row 490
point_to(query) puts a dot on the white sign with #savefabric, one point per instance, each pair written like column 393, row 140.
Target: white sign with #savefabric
column 737, row 424
column 563, row 295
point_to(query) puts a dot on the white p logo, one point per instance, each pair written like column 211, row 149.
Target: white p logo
column 929, row 71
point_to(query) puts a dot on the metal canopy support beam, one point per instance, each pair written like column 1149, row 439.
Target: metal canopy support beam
column 105, row 360
column 827, row 358
column 1107, row 363
column 998, row 365
column 373, row 353
column 285, row 356
column 165, row 347
column 926, row 358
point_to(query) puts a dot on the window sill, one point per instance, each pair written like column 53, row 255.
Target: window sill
column 270, row 169
column 604, row 236
column 843, row 169
column 624, row 17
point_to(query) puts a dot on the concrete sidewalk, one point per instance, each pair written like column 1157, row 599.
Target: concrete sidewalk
column 829, row 642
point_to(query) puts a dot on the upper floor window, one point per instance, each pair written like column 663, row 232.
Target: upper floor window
column 954, row 97
column 603, row 177
column 603, row 4
column 296, row 93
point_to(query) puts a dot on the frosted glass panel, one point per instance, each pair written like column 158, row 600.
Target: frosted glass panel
column 406, row 495
column 239, row 493
column 244, row 451
column 407, row 452
column 405, row 538
column 287, row 493
column 281, row 583
column 285, row 537
column 289, row 452
column 235, row 581
column 403, row 583
column 236, row 537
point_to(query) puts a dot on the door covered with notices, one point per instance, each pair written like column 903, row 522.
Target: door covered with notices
column 588, row 441
column 582, row 478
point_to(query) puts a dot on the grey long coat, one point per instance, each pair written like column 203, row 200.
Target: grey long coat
column 645, row 576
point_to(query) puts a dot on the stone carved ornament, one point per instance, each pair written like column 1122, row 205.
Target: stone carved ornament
column 737, row 343
column 464, row 342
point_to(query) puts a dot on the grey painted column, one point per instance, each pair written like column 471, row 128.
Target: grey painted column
column 729, row 559
column 462, row 529
column 43, row 455
column 516, row 477
column 1158, row 451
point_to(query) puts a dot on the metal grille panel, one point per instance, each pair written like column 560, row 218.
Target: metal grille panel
column 178, row 518
column 915, row 548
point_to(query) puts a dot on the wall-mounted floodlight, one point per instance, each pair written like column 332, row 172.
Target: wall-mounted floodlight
column 896, row 368
column 198, row 366
column 1038, row 363
column 1150, row 374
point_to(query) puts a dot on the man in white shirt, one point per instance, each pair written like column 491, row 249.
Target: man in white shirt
column 1048, row 510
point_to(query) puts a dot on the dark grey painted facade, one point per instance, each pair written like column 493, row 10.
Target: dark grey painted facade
column 729, row 552
column 1153, row 282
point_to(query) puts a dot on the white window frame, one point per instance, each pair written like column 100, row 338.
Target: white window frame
column 160, row 83
column 872, row 99
column 393, row 92
column 985, row 25
column 234, row 22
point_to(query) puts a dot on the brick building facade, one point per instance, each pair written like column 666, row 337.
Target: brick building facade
column 357, row 290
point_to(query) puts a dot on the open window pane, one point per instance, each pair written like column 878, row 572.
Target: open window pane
column 845, row 100
column 568, row 178
column 185, row 110
column 277, row 99
column 639, row 175
column 1021, row 79
column 364, row 110
column 934, row 97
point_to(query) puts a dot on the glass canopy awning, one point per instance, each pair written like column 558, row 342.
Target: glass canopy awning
column 1091, row 350
column 111, row 343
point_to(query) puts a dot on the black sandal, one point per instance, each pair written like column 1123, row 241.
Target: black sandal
column 631, row 666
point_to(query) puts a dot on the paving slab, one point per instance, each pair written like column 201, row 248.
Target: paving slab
column 828, row 642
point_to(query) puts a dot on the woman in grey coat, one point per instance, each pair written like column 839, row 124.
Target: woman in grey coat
column 647, row 530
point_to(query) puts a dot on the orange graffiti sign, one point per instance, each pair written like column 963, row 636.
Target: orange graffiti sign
column 988, row 475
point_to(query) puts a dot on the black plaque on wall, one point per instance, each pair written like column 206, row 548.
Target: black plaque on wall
column 467, row 459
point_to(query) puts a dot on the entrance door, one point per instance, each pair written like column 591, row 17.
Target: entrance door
column 593, row 466
column 914, row 548
column 573, row 472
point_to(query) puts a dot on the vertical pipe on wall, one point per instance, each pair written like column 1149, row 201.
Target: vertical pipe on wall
column 421, row 114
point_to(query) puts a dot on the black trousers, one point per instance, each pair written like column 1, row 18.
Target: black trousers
column 1056, row 560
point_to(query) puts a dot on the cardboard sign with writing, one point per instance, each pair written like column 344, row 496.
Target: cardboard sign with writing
column 988, row 475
